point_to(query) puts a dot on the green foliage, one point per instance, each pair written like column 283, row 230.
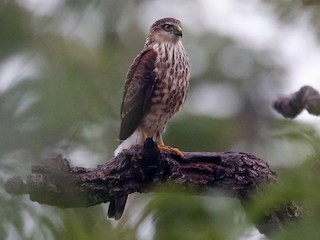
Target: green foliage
column 184, row 217
column 15, row 28
column 91, row 223
column 181, row 215
column 203, row 133
column 298, row 184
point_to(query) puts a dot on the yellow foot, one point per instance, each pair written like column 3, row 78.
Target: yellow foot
column 170, row 149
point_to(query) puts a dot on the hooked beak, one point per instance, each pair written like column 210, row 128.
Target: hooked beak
column 178, row 31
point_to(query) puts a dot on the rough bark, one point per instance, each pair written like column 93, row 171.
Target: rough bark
column 55, row 182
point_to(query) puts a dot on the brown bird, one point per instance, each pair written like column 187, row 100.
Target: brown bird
column 155, row 89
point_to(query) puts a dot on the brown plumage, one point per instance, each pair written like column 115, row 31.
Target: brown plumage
column 155, row 89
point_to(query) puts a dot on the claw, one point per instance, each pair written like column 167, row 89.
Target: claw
column 171, row 150
column 163, row 147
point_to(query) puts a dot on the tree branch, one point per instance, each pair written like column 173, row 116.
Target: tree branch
column 292, row 105
column 242, row 175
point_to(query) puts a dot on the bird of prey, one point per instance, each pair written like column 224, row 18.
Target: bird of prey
column 155, row 89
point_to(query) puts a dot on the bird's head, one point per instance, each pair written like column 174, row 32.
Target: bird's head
column 165, row 30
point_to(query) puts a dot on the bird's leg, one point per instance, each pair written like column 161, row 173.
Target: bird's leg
column 163, row 147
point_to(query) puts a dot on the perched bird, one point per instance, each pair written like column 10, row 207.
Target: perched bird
column 155, row 89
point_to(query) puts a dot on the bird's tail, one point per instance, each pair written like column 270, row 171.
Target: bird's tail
column 136, row 138
column 116, row 207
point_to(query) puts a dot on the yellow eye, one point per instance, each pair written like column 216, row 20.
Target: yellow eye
column 167, row 27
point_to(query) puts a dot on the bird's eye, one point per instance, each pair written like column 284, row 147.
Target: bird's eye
column 167, row 27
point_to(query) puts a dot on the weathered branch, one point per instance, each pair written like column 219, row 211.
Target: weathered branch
column 306, row 98
column 55, row 183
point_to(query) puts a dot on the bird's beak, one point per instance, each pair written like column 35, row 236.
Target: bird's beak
column 178, row 31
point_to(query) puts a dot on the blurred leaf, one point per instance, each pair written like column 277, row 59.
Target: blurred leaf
column 183, row 217
column 200, row 133
column 15, row 29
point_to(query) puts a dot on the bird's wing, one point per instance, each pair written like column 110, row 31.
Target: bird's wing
column 137, row 92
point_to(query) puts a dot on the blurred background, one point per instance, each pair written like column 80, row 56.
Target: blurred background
column 62, row 68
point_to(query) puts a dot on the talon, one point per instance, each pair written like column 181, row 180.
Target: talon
column 171, row 150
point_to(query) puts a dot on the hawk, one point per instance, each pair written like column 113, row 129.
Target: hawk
column 155, row 89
